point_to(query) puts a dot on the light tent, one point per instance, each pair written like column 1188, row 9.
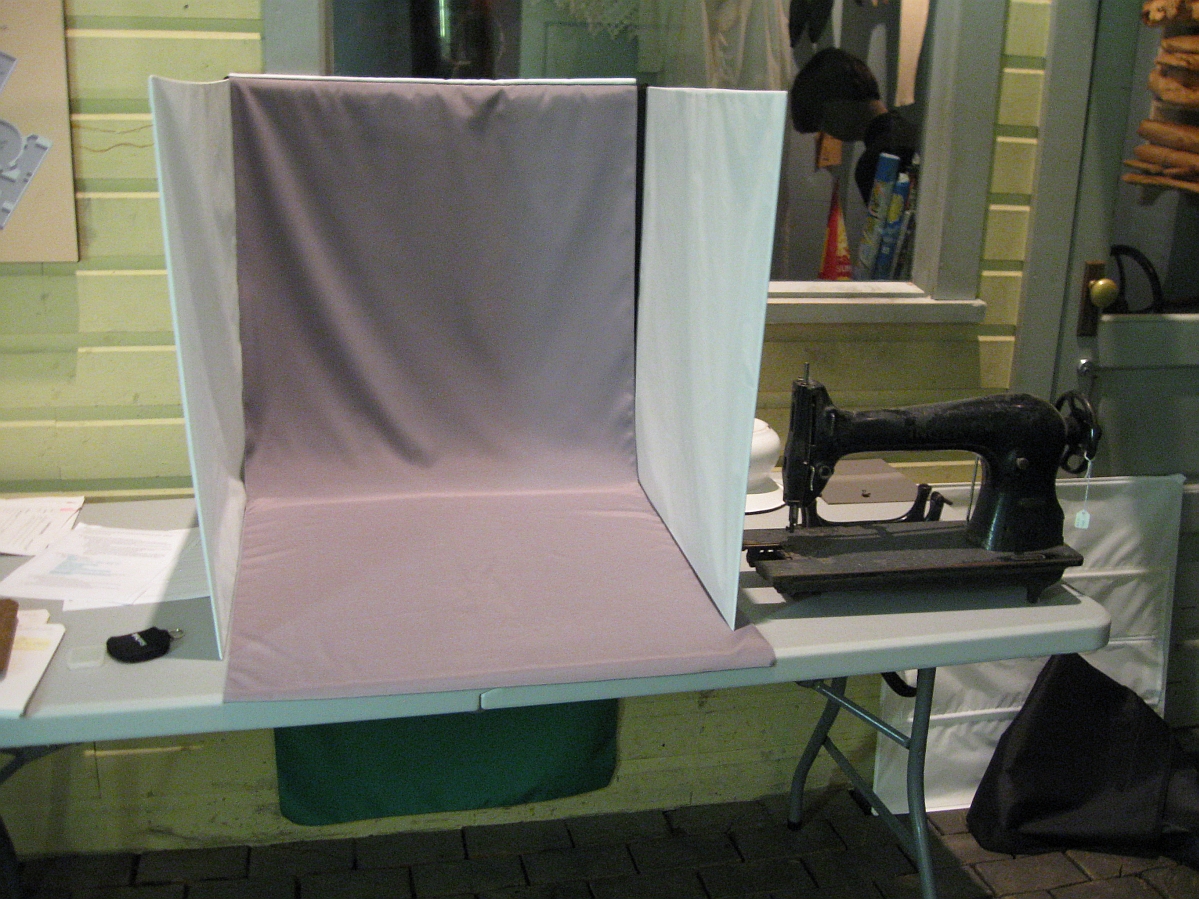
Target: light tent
column 446, row 431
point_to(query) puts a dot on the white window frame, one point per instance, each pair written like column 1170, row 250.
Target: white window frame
column 964, row 69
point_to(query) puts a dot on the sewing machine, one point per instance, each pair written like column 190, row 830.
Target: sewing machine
column 1013, row 533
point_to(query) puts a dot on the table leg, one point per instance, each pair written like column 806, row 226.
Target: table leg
column 10, row 866
column 914, row 835
column 819, row 735
column 917, row 815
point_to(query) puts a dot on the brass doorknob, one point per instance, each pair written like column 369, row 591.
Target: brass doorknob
column 1103, row 292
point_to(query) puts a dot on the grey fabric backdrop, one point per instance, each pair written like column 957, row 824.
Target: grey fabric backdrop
column 437, row 316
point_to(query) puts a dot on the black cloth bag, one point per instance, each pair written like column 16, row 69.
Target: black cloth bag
column 1087, row 764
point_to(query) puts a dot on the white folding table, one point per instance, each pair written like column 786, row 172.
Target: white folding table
column 819, row 642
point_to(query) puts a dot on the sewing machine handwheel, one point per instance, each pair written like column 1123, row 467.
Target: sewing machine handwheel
column 1082, row 431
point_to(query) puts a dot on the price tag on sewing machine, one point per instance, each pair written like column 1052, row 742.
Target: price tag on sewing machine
column 1082, row 519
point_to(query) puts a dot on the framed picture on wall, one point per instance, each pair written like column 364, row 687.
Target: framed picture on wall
column 37, row 189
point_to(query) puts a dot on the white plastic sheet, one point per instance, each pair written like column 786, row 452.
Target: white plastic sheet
column 194, row 149
column 1130, row 551
column 711, row 181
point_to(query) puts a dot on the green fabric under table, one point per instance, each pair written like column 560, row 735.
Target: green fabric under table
column 331, row 773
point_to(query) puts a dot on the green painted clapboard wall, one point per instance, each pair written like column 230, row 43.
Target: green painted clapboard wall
column 89, row 401
column 89, row 392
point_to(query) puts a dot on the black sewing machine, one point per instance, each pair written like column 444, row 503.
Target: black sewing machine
column 1014, row 531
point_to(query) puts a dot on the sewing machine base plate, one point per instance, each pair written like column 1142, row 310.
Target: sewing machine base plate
column 890, row 555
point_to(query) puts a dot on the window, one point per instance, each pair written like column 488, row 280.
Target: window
column 577, row 38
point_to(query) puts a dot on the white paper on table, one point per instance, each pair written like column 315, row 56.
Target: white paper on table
column 33, row 647
column 185, row 579
column 29, row 525
column 96, row 566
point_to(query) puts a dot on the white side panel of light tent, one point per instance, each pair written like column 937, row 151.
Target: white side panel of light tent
column 711, row 183
column 194, row 148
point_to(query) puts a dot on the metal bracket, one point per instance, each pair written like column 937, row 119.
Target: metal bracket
column 1088, row 312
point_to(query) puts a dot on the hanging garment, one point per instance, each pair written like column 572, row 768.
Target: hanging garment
column 740, row 44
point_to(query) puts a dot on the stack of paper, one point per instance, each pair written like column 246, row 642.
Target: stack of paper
column 32, row 649
column 91, row 567
column 28, row 526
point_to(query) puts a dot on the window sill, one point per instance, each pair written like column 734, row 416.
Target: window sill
column 864, row 302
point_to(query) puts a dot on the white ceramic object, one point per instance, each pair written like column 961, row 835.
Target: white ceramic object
column 763, row 493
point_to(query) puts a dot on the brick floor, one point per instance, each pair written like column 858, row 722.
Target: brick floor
column 396, row 850
column 683, row 851
column 780, row 842
column 1104, row 867
column 76, row 873
column 474, row 875
column 276, row 887
column 621, row 827
column 737, row 850
column 313, row 857
column 193, row 864
column 761, row 876
column 959, row 883
column 678, row 884
column 514, row 839
column 376, row 883
column 158, row 891
column 720, row 818
column 1047, row 871
column 1174, row 882
column 584, row 863
column 963, row 849
column 572, row 890
column 1119, row 888
column 836, row 873
column 949, row 822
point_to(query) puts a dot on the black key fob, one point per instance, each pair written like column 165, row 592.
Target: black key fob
column 140, row 647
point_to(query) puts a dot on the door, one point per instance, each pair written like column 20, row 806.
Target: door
column 1141, row 371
